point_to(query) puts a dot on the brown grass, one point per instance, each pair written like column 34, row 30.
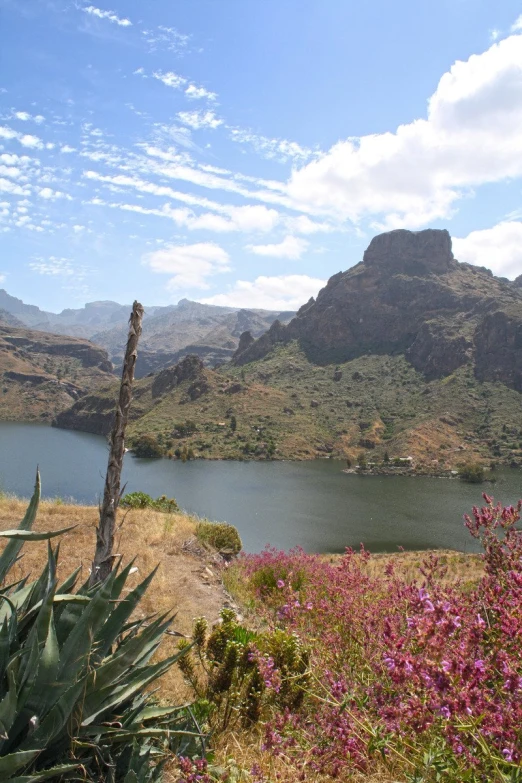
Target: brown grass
column 186, row 582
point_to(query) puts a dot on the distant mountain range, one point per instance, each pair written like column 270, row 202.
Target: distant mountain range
column 168, row 332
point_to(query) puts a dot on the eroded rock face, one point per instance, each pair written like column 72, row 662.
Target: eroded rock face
column 498, row 346
column 409, row 295
column 189, row 368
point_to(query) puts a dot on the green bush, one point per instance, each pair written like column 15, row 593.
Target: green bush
column 147, row 446
column 472, row 472
column 142, row 500
column 220, row 536
column 236, row 673
column 74, row 674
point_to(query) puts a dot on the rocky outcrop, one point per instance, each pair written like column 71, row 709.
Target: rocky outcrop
column 90, row 414
column 498, row 349
column 33, row 342
column 190, row 368
column 409, row 295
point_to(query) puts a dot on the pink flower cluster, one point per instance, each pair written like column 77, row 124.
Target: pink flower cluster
column 421, row 675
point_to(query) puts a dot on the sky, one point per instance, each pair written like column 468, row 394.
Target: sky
column 240, row 152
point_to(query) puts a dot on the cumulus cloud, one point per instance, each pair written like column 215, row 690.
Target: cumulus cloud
column 24, row 116
column 197, row 93
column 169, row 79
column 25, row 139
column 109, row 15
column 498, row 248
column 190, row 265
column 517, row 25
column 200, row 119
column 2, row 278
column 284, row 292
column 291, row 247
column 418, row 173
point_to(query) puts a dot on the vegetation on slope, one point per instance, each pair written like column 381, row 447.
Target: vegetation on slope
column 286, row 407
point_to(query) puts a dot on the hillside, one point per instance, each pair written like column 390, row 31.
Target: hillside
column 44, row 373
column 409, row 353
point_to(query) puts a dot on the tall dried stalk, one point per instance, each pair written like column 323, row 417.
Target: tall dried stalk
column 103, row 556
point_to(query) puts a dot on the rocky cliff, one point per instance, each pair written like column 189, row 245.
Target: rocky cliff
column 43, row 373
column 410, row 296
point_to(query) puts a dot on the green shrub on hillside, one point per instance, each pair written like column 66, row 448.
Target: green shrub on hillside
column 146, row 446
column 472, row 472
column 220, row 536
column 142, row 500
column 74, row 674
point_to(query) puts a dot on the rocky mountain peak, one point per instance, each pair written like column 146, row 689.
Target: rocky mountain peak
column 414, row 253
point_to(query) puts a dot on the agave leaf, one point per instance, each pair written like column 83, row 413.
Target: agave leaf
column 136, row 682
column 32, row 535
column 77, row 647
column 69, row 583
column 12, row 549
column 119, row 616
column 8, row 705
column 46, row 774
column 10, row 764
column 56, row 719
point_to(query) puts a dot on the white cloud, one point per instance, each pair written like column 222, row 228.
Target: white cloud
column 290, row 247
column 303, row 225
column 200, row 119
column 6, row 186
column 24, row 116
column 166, row 38
column 197, row 93
column 418, row 173
column 190, row 265
column 170, row 79
column 26, row 140
column 49, row 194
column 286, row 292
column 517, row 25
column 498, row 248
column 66, row 149
column 109, row 15
column 2, row 278
column 280, row 149
column 53, row 266
column 78, row 229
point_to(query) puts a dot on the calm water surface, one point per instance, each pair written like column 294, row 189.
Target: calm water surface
column 310, row 504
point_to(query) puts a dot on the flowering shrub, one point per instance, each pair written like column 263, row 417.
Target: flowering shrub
column 426, row 679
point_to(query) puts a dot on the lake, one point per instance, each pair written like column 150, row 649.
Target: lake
column 309, row 504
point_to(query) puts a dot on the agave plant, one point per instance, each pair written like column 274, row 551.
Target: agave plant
column 75, row 676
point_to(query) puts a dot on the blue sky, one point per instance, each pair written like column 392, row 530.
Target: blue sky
column 240, row 152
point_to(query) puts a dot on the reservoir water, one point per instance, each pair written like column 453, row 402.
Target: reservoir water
column 285, row 504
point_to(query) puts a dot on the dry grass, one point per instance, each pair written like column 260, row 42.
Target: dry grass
column 460, row 567
column 185, row 583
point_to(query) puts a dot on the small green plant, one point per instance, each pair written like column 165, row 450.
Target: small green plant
column 142, row 500
column 472, row 472
column 147, row 446
column 237, row 673
column 220, row 536
column 361, row 461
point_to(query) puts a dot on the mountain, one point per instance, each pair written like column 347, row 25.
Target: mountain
column 208, row 331
column 410, row 296
column 409, row 353
column 43, row 374
column 169, row 333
